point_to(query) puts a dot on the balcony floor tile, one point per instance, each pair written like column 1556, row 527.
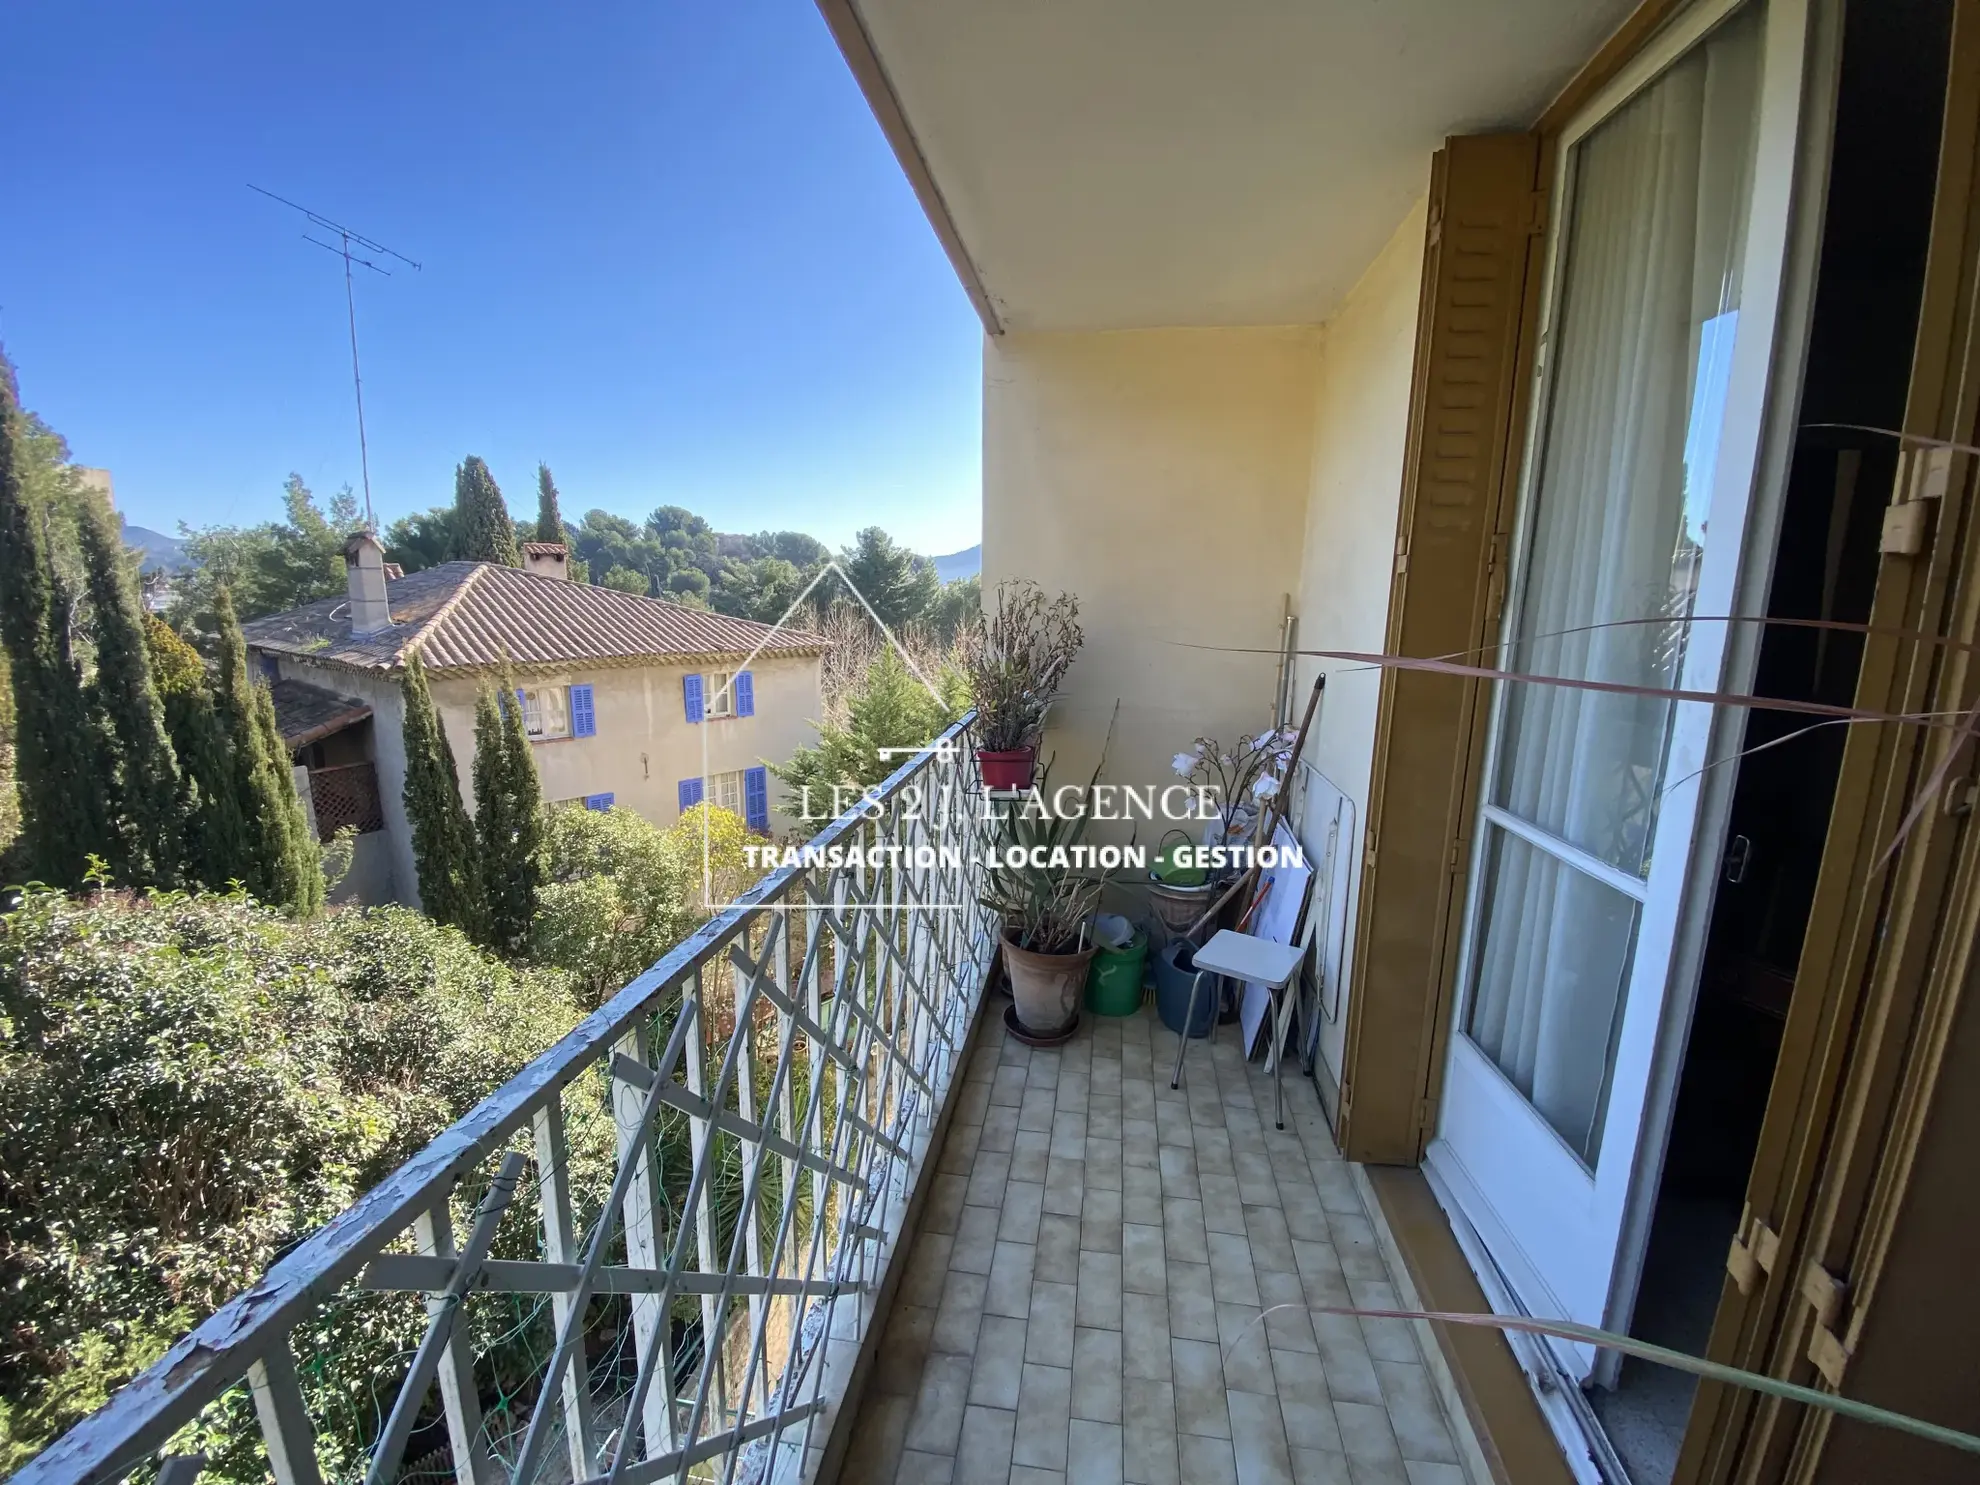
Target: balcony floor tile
column 1088, row 1284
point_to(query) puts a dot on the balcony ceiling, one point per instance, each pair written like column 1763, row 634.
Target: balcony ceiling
column 1115, row 164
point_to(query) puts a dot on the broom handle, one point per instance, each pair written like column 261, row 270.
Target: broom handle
column 1274, row 813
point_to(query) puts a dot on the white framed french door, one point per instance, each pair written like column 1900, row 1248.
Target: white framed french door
column 1658, row 327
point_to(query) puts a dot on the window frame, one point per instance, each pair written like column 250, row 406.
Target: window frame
column 532, row 707
column 718, row 696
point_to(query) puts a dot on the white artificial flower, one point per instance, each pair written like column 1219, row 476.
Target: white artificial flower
column 1184, row 763
column 1265, row 788
column 1198, row 747
column 1225, row 759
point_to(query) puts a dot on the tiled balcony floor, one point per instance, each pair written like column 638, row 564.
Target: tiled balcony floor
column 1082, row 1300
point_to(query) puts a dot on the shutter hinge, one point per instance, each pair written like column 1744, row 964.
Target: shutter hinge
column 1922, row 476
column 1536, row 212
column 1368, row 849
column 1422, row 1115
column 1754, row 1248
column 1402, row 555
column 1826, row 1347
column 1904, row 530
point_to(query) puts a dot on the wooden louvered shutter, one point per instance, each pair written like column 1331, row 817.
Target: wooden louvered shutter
column 1481, row 272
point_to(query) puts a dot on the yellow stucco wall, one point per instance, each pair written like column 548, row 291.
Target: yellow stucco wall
column 1360, row 422
column 1162, row 476
column 645, row 745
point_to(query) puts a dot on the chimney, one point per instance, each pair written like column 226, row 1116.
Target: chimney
column 364, row 569
column 551, row 559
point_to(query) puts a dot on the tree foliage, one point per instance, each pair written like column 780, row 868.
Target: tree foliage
column 58, row 751
column 213, row 826
column 424, row 539
column 147, row 803
column 266, row 569
column 443, row 835
column 889, row 707
column 507, row 817
column 481, row 518
column 549, row 517
column 281, row 864
column 898, row 585
column 189, row 1083
column 618, row 891
column 627, row 580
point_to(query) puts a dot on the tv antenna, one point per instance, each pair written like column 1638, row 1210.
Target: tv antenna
column 346, row 240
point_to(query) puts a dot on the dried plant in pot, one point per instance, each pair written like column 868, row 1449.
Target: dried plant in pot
column 1015, row 662
column 1046, row 906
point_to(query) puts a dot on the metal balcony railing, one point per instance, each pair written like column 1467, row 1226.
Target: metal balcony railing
column 652, row 1254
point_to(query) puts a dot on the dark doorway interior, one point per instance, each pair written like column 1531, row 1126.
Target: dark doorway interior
column 1877, row 226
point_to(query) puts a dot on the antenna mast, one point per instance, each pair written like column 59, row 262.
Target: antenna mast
column 342, row 248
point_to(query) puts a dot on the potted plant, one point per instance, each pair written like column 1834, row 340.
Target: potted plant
column 1046, row 907
column 1015, row 661
column 1244, row 777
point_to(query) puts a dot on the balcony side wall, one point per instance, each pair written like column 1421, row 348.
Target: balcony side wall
column 1162, row 476
column 1361, row 425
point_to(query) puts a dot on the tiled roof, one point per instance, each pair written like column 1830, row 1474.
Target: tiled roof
column 467, row 615
column 545, row 549
column 305, row 713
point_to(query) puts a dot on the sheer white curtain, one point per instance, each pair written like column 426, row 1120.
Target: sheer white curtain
column 1638, row 344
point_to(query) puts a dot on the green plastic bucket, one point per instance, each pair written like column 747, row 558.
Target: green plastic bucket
column 1113, row 984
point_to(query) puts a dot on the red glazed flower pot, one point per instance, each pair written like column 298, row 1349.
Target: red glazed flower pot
column 1007, row 770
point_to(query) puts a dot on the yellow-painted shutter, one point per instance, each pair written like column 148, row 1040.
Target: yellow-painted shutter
column 1481, row 264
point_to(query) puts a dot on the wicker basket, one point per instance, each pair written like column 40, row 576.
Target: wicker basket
column 1178, row 907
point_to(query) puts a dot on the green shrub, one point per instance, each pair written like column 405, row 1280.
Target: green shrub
column 190, row 1084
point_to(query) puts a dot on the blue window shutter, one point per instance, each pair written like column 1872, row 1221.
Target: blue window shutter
column 756, row 798
column 744, row 686
column 598, row 801
column 691, row 693
column 690, row 794
column 584, row 719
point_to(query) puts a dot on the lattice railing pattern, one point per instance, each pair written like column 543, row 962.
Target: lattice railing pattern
column 346, row 794
column 649, row 1256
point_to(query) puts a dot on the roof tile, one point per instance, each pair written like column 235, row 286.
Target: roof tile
column 467, row 615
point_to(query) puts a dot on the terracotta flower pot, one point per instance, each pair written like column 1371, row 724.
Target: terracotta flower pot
column 1010, row 769
column 1046, row 987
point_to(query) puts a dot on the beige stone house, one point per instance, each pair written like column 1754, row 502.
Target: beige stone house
column 630, row 702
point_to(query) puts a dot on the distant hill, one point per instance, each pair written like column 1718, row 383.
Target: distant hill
column 963, row 564
column 159, row 550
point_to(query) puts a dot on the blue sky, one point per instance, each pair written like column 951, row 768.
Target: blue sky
column 666, row 249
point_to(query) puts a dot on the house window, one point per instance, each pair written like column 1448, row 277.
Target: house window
column 721, row 694
column 547, row 711
column 725, row 791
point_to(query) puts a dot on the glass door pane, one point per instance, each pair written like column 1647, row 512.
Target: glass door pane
column 1637, row 360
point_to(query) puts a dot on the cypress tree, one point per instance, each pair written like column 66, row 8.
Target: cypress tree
column 282, row 865
column 146, row 799
column 443, row 836
column 215, row 833
column 507, row 816
column 549, row 517
column 57, row 755
column 485, row 532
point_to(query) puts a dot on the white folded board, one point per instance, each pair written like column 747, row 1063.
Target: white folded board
column 1275, row 920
